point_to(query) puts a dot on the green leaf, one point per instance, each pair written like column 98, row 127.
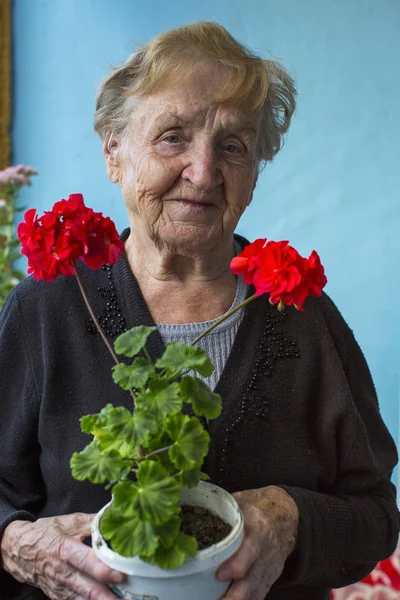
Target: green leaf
column 116, row 428
column 90, row 422
column 178, row 357
column 109, row 440
column 134, row 376
column 125, row 499
column 185, row 546
column 129, row 536
column 162, row 396
column 155, row 443
column 97, row 425
column 96, row 465
column 191, row 442
column 205, row 402
column 133, row 428
column 131, row 342
column 154, row 496
column 190, row 479
column 169, row 531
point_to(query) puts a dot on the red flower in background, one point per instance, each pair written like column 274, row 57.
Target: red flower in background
column 277, row 269
column 71, row 230
column 383, row 583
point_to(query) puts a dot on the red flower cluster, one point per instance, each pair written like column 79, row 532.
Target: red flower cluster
column 277, row 269
column 386, row 572
column 71, row 230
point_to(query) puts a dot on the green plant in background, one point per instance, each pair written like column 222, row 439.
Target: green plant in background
column 11, row 180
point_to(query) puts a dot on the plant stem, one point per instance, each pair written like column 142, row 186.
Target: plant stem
column 224, row 318
column 147, row 355
column 155, row 452
column 142, row 456
column 99, row 329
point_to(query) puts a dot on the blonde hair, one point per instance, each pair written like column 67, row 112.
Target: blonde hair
column 259, row 83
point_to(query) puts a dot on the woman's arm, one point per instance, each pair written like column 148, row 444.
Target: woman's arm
column 46, row 553
column 342, row 531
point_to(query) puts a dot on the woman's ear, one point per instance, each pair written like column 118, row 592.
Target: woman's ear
column 110, row 153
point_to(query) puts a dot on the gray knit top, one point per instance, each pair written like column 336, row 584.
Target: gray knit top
column 217, row 343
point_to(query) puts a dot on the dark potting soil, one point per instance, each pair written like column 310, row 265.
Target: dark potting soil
column 207, row 528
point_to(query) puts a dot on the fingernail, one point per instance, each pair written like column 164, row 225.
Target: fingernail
column 117, row 576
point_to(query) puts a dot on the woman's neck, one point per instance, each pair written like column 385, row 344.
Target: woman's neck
column 180, row 285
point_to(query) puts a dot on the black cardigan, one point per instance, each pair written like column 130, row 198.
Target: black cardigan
column 299, row 411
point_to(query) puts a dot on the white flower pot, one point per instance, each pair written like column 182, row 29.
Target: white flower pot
column 195, row 579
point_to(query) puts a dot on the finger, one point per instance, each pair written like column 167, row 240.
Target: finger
column 79, row 524
column 68, row 584
column 237, row 566
column 252, row 587
column 83, row 558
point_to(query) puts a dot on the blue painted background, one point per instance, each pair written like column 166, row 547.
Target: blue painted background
column 335, row 185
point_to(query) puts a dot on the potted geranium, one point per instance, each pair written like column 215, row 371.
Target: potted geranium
column 150, row 457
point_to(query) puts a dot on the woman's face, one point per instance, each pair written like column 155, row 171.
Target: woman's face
column 187, row 167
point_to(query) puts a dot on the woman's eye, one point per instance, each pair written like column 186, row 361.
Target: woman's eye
column 232, row 148
column 172, row 139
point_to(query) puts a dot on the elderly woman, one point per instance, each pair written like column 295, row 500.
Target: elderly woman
column 186, row 123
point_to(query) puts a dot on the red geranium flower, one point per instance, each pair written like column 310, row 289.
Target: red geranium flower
column 28, row 232
column 70, row 208
column 278, row 269
column 279, row 272
column 248, row 261
column 71, row 230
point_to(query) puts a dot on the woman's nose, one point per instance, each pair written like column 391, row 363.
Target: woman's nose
column 202, row 168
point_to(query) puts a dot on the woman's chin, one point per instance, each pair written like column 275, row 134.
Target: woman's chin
column 190, row 236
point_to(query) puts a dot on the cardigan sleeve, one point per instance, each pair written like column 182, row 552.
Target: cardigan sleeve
column 21, row 486
column 346, row 530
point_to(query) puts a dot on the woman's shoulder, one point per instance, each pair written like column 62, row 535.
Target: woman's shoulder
column 323, row 325
column 31, row 293
column 325, row 313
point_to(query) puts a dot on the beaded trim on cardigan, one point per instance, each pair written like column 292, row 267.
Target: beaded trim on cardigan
column 273, row 347
column 110, row 318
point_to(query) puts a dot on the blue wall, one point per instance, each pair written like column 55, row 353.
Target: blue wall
column 334, row 187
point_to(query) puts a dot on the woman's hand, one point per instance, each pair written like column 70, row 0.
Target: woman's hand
column 271, row 520
column 49, row 554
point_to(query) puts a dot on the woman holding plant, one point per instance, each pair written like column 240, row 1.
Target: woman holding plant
column 186, row 124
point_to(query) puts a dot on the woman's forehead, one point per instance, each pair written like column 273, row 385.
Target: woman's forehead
column 158, row 113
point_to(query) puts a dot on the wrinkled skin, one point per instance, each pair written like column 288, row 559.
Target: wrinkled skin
column 49, row 554
column 271, row 521
column 183, row 148
column 187, row 170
